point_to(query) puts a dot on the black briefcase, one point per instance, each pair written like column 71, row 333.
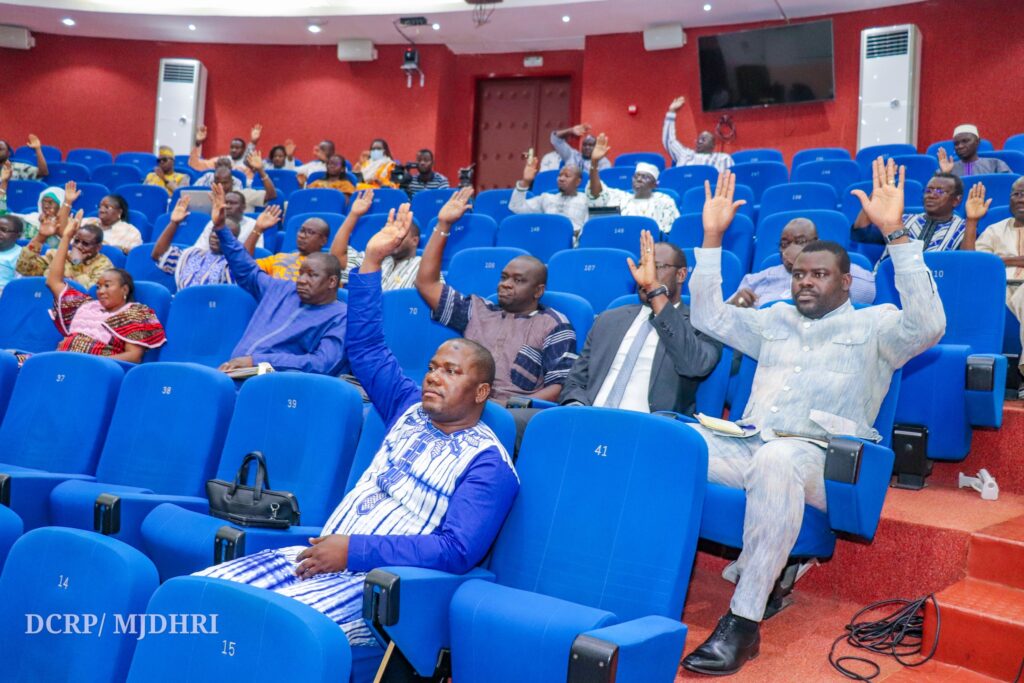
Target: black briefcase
column 252, row 505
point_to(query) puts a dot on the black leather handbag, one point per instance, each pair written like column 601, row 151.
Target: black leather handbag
column 252, row 505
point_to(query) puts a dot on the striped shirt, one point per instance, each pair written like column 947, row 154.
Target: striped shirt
column 684, row 156
column 658, row 206
column 436, row 182
column 394, row 274
column 944, row 236
column 531, row 350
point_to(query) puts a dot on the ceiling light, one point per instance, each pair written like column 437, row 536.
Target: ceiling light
column 191, row 27
column 314, row 28
column 565, row 19
column 707, row 8
column 436, row 27
column 67, row 21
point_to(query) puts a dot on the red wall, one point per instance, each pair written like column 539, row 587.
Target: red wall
column 93, row 92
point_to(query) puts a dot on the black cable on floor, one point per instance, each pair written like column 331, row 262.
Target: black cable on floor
column 898, row 635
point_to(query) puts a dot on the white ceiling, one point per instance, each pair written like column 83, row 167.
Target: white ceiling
column 516, row 25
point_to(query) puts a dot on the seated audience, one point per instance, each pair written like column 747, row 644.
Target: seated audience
column 210, row 177
column 84, row 263
column 47, row 207
column 237, row 152
column 112, row 324
column 321, row 153
column 335, row 178
column 111, row 216
column 533, row 346
column 375, row 166
column 965, row 143
column 938, row 227
column 257, row 198
column 642, row 201
column 646, row 356
column 436, row 493
column 398, row 269
column 581, row 158
column 805, row 386
column 775, row 283
column 703, row 154
column 235, row 201
column 164, row 175
column 297, row 325
column 282, row 157
column 10, row 250
column 569, row 201
column 311, row 239
column 427, row 178
column 21, row 170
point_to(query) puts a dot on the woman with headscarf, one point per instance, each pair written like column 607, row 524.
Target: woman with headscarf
column 375, row 167
column 47, row 207
column 117, row 232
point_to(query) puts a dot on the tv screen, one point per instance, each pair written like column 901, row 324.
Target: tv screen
column 762, row 67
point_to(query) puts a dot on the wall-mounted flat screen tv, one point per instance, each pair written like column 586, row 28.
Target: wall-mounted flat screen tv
column 763, row 67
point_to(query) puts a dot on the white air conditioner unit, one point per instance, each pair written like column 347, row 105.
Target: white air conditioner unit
column 16, row 38
column 890, row 79
column 180, row 104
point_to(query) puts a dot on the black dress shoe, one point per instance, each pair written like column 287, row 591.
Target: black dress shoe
column 734, row 641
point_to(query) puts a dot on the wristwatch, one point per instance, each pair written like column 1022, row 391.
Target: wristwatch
column 893, row 236
column 657, row 291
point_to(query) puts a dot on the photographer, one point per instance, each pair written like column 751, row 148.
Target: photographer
column 428, row 178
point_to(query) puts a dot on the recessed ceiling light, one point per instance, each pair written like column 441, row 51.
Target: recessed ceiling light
column 191, row 27
column 436, row 27
column 314, row 28
column 565, row 19
column 67, row 21
column 707, row 8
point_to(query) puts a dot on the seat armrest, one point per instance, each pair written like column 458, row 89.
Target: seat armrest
column 30, row 490
column 409, row 605
column 643, row 650
column 856, row 507
column 985, row 384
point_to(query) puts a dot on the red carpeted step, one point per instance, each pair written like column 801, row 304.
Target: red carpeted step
column 1000, row 451
column 997, row 554
column 982, row 627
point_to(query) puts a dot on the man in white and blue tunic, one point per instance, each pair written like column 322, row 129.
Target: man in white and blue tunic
column 437, row 491
column 823, row 369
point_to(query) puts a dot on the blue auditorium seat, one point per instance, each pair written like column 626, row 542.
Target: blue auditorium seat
column 387, row 198
column 285, row 181
column 1015, row 142
column 732, row 273
column 831, row 225
column 746, row 156
column 539, row 234
column 920, row 167
column 618, row 232
column 688, row 232
column 933, row 149
column 144, row 161
column 60, row 173
column 693, row 200
column 866, row 156
column 684, row 178
column 268, row 636
column 1011, row 336
column 634, row 158
column 426, row 204
column 90, row 158
column 141, row 265
column 295, row 221
column 1011, row 157
column 839, row 173
column 574, row 307
column 8, row 375
column 797, row 197
column 189, row 230
column 367, row 226
column 587, row 475
column 92, row 193
column 205, row 323
column 472, row 230
column 913, row 191
column 149, row 199
column 494, row 203
column 165, row 436
column 995, row 214
column 322, row 200
column 113, row 253
column 760, row 175
column 238, row 175
column 25, row 323
column 546, row 181
column 410, row 333
column 23, row 195
column 997, row 187
column 618, row 176
column 477, row 270
column 806, row 156
column 61, row 575
column 11, row 528
column 154, row 295
column 307, row 427
column 116, row 175
column 597, row 275
column 28, row 155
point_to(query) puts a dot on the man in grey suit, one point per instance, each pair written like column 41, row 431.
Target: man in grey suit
column 645, row 357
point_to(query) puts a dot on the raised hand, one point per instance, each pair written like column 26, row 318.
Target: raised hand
column 581, row 129
column 255, row 160
column 530, row 172
column 33, row 142
column 200, row 135
column 677, row 104
column 945, row 163
column 720, row 208
column 885, row 207
column 601, row 149
column 217, row 211
column 254, row 134
column 289, row 148
column 6, row 171
column 48, row 227
column 390, row 237
column 977, row 205
column 362, row 203
column 456, row 206
column 645, row 274
column 71, row 228
column 71, row 192
column 269, row 218
column 180, row 211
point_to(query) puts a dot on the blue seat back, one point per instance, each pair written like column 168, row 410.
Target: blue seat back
column 8, row 376
column 693, row 200
column 831, row 225
column 145, row 162
column 149, row 199
column 597, row 275
column 1015, row 142
column 688, row 232
column 387, row 198
column 25, row 322
column 306, row 426
column 797, row 197
column 933, row 149
column 995, row 214
column 410, row 333
column 286, row 181
column 427, row 203
column 59, row 574
column 113, row 253
column 205, row 324
column 997, row 187
column 116, row 175
column 143, row 268
column 86, row 386
column 472, row 230
column 168, row 428
column 258, row 631
column 760, row 175
column 1011, row 157
column 866, row 156
column 684, row 178
column 732, row 272
column 839, row 173
column 92, row 194
column 608, row 511
column 494, row 203
column 294, row 222
column 91, row 158
column 634, row 158
column 23, row 195
column 317, row 200
column 367, row 226
column 27, row 154
column 154, row 295
column 746, row 156
column 618, row 232
column 477, row 270
column 619, row 177
column 60, row 173
column 546, row 181
column 188, row 231
column 806, row 156
column 920, row 167
column 972, row 286
column 538, row 234
column 913, row 193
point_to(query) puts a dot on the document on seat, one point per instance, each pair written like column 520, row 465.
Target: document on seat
column 725, row 428
column 254, row 371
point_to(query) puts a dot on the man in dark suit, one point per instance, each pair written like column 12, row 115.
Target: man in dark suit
column 645, row 357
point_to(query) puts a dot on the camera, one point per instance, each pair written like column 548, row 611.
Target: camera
column 466, row 176
column 400, row 174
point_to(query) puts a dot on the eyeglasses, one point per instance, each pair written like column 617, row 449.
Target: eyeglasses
column 81, row 243
column 1017, row 194
column 800, row 241
column 936, row 191
column 666, row 266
